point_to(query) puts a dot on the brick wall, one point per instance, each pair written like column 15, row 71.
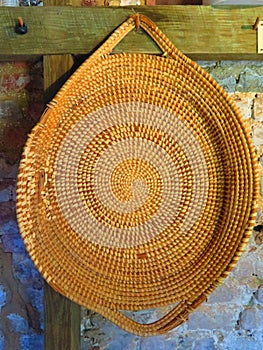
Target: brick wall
column 21, row 286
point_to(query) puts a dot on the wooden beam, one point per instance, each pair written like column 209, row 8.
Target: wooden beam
column 62, row 322
column 62, row 316
column 173, row 2
column 201, row 32
column 57, row 69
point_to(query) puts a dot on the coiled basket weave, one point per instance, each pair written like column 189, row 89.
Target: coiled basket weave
column 138, row 187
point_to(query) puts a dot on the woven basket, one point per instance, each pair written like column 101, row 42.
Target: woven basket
column 138, row 188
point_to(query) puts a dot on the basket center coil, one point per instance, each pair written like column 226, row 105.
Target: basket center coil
column 130, row 165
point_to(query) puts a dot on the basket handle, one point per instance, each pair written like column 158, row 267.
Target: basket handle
column 134, row 21
column 176, row 316
column 137, row 21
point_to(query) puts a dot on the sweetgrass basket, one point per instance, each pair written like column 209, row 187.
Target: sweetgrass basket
column 138, row 188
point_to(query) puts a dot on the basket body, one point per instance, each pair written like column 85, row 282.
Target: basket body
column 138, row 187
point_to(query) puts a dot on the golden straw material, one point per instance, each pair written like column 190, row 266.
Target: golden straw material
column 138, row 188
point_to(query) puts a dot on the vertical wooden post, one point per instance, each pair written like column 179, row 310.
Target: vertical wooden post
column 62, row 316
column 62, row 322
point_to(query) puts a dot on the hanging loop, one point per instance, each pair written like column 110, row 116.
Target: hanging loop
column 137, row 20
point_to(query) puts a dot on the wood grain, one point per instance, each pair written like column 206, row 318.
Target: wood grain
column 57, row 69
column 62, row 322
column 201, row 32
column 62, row 316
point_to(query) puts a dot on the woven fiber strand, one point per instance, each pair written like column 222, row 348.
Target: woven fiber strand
column 138, row 188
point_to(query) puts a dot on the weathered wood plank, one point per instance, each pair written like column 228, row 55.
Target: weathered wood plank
column 57, row 69
column 62, row 316
column 201, row 32
column 62, row 322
